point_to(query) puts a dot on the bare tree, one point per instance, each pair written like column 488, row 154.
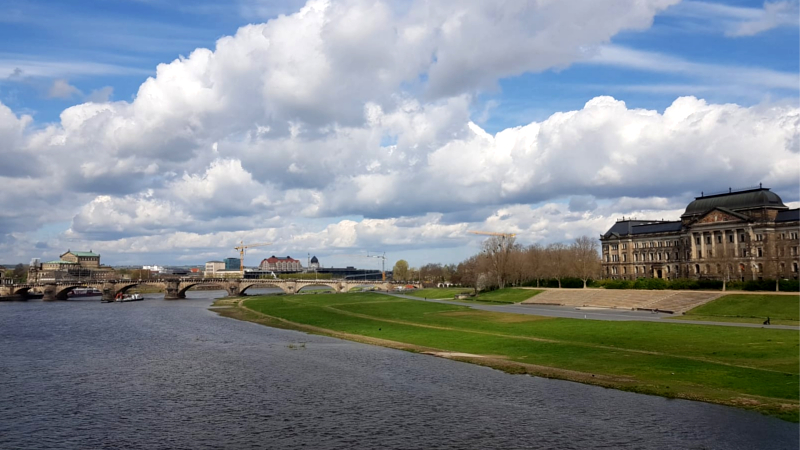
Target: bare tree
column 469, row 272
column 584, row 258
column 498, row 250
column 534, row 262
column 557, row 261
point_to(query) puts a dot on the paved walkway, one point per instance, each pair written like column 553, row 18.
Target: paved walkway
column 591, row 313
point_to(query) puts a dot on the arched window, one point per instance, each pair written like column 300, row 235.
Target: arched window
column 760, row 268
column 697, row 268
column 708, row 269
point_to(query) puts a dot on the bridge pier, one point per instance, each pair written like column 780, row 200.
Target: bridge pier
column 109, row 291
column 50, row 291
column 172, row 291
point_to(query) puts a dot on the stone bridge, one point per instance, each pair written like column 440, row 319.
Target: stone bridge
column 175, row 289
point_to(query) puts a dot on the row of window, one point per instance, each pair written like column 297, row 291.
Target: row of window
column 743, row 237
column 758, row 267
column 707, row 269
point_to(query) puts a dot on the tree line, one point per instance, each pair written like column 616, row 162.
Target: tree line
column 503, row 262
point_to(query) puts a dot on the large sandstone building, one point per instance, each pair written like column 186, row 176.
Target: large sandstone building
column 737, row 235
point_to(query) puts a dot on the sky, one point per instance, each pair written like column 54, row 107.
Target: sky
column 166, row 132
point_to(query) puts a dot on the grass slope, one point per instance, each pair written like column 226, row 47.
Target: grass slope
column 781, row 309
column 753, row 368
column 507, row 295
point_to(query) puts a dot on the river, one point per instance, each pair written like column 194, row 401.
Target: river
column 171, row 374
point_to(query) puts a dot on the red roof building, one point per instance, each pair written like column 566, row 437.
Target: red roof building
column 281, row 264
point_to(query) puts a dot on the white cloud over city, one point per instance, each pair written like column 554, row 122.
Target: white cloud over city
column 351, row 126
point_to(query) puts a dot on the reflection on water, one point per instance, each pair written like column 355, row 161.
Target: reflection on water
column 172, row 374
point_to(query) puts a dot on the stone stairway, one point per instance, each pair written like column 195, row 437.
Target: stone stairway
column 666, row 301
column 680, row 302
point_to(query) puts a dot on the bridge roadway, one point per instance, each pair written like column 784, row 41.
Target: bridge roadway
column 175, row 288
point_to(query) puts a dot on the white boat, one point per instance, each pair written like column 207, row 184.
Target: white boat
column 130, row 298
column 83, row 292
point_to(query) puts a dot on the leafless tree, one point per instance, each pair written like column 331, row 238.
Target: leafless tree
column 557, row 261
column 469, row 272
column 534, row 262
column 584, row 259
column 498, row 250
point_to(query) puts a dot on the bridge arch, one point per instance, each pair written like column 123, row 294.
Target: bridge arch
column 360, row 287
column 263, row 284
column 185, row 287
column 22, row 291
column 329, row 284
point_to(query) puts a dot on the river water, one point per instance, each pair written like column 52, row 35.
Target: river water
column 173, row 375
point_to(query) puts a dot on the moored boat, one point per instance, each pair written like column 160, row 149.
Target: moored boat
column 129, row 298
column 84, row 292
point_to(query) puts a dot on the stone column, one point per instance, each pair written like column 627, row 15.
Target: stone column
column 234, row 289
column 172, row 290
column 50, row 290
column 109, row 291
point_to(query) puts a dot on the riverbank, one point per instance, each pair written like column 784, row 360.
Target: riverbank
column 748, row 368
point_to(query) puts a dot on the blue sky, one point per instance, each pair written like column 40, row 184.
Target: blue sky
column 57, row 55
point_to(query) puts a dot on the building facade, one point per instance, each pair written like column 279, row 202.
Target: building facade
column 213, row 267
column 280, row 264
column 737, row 235
column 70, row 266
column 232, row 264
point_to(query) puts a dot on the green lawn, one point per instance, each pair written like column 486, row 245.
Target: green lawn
column 781, row 309
column 719, row 364
column 507, row 295
column 437, row 293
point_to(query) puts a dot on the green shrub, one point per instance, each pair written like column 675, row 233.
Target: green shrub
column 790, row 285
column 759, row 285
column 735, row 285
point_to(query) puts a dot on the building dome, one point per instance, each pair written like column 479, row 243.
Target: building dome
column 735, row 201
column 314, row 260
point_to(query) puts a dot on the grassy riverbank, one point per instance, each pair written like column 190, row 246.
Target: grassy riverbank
column 750, row 368
column 508, row 295
column 749, row 308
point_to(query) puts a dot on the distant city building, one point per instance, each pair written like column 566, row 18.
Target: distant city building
column 212, row 267
column 232, row 264
column 88, row 259
column 314, row 264
column 153, row 268
column 280, row 264
column 72, row 265
column 736, row 235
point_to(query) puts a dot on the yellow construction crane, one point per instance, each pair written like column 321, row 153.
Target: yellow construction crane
column 242, row 247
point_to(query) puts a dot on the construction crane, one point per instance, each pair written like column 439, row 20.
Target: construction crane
column 383, row 262
column 242, row 247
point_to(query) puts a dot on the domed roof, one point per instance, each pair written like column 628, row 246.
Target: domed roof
column 748, row 199
column 314, row 259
